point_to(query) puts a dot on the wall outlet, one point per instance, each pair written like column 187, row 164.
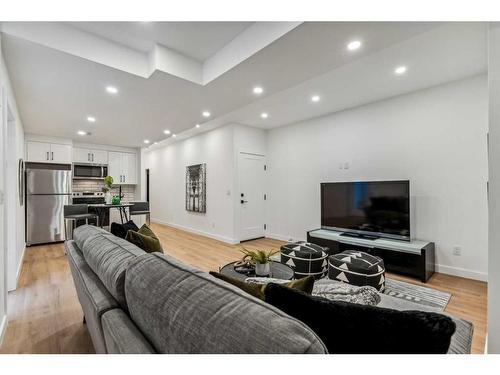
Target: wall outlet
column 457, row 250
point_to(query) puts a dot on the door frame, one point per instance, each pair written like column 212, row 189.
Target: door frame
column 237, row 197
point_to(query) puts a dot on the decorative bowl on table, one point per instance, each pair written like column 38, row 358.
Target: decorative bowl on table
column 115, row 199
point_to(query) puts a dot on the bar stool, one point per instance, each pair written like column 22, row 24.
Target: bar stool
column 76, row 212
column 140, row 208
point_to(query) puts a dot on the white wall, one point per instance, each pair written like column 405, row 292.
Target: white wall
column 168, row 180
column 15, row 151
column 494, row 192
column 436, row 138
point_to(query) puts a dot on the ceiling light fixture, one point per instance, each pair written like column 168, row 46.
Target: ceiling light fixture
column 146, row 141
column 354, row 45
column 206, row 114
column 400, row 70
column 173, row 135
column 112, row 90
column 315, row 98
column 197, row 125
column 258, row 90
column 81, row 132
column 167, row 132
column 90, row 119
column 264, row 115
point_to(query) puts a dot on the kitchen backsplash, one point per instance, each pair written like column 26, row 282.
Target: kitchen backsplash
column 96, row 185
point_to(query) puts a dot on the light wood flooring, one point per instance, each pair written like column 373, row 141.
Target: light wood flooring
column 45, row 315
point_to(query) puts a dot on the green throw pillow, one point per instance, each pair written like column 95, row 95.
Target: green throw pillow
column 305, row 284
column 145, row 239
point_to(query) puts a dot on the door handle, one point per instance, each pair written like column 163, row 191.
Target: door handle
column 243, row 201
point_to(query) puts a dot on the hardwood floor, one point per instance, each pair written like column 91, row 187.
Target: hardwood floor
column 45, row 315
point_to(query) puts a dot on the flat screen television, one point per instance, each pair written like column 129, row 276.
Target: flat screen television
column 369, row 209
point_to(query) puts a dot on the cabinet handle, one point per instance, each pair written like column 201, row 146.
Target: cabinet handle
column 47, row 155
column 52, row 155
column 92, row 157
column 123, row 178
column 88, row 156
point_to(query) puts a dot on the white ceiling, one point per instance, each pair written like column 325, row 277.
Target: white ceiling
column 198, row 40
column 56, row 91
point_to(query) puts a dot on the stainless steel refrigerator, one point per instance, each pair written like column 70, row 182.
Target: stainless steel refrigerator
column 48, row 190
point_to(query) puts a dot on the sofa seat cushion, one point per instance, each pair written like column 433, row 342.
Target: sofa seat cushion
column 180, row 309
column 109, row 256
column 348, row 328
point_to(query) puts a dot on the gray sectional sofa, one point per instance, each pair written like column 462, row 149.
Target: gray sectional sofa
column 134, row 302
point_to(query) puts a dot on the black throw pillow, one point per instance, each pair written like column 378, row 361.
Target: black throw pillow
column 348, row 328
column 120, row 230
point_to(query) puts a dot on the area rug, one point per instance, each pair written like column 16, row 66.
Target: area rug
column 417, row 294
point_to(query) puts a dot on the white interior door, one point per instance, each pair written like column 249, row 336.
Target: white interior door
column 251, row 195
column 3, row 254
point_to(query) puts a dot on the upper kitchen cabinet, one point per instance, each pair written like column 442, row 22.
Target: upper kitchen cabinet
column 122, row 166
column 48, row 152
column 83, row 155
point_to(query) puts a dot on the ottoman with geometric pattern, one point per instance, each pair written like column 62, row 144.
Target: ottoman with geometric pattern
column 357, row 268
column 305, row 259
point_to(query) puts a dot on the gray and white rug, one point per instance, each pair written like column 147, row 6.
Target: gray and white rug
column 417, row 294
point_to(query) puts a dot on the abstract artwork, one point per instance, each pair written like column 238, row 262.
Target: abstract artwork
column 196, row 188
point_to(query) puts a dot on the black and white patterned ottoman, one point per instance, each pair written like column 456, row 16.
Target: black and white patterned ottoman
column 357, row 268
column 306, row 259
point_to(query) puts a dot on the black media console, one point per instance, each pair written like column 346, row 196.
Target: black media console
column 415, row 258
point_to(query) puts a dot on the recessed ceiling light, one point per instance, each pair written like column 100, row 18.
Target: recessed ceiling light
column 146, row 141
column 400, row 70
column 112, row 89
column 206, row 114
column 354, row 45
column 155, row 143
column 315, row 98
column 81, row 132
column 173, row 135
column 264, row 115
column 167, row 132
column 90, row 119
column 258, row 90
column 197, row 125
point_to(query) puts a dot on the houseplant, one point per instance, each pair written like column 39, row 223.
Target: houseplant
column 108, row 183
column 261, row 259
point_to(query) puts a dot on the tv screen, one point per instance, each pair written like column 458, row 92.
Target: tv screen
column 377, row 208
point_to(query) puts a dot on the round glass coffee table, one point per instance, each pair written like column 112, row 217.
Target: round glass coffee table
column 278, row 271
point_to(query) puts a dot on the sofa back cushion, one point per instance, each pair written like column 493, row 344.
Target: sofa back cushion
column 182, row 310
column 108, row 256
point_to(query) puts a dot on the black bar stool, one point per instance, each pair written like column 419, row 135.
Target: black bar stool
column 140, row 208
column 76, row 212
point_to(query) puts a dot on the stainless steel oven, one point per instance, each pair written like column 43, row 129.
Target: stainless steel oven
column 87, row 171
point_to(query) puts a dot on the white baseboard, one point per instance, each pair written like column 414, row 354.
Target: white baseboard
column 3, row 328
column 462, row 272
column 448, row 270
column 225, row 239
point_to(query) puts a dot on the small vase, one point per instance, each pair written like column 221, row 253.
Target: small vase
column 108, row 198
column 262, row 269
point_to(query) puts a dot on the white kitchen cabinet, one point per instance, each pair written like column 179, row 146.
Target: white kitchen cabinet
column 48, row 152
column 60, row 153
column 122, row 166
column 83, row 155
column 38, row 151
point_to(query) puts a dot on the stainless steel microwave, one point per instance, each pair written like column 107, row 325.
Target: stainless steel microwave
column 87, row 171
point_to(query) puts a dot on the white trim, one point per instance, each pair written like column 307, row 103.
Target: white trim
column 3, row 328
column 281, row 237
column 462, row 272
column 20, row 265
column 228, row 240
